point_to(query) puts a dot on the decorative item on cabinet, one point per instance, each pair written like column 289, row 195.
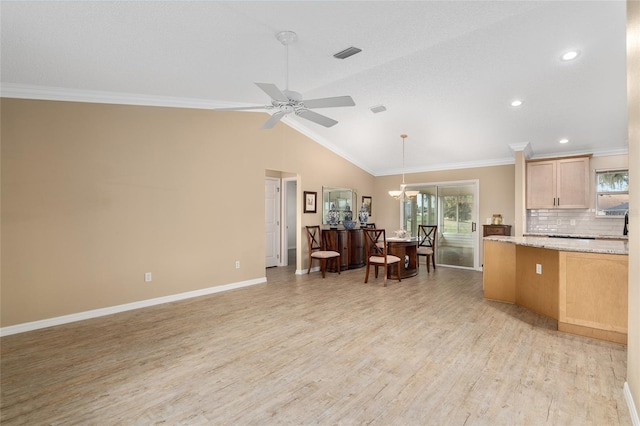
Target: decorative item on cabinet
column 497, row 219
column 348, row 214
column 488, row 230
column 340, row 199
column 349, row 224
column 333, row 217
column 363, row 215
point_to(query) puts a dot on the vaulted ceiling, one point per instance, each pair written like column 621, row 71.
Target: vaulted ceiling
column 446, row 72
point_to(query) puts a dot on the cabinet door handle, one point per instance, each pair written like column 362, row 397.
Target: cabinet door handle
column 473, row 227
column 558, row 201
column 554, row 201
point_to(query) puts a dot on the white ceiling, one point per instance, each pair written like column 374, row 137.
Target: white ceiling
column 446, row 71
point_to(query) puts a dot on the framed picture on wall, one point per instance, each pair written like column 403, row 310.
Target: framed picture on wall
column 310, row 201
column 366, row 201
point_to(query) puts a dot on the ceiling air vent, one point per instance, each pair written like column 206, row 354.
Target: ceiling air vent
column 350, row 51
column 378, row 108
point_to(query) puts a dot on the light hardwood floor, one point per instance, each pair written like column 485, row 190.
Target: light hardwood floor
column 303, row 350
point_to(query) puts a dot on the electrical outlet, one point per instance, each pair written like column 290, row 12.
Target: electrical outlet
column 572, row 222
column 538, row 269
column 559, row 222
column 237, row 264
column 488, row 221
column 147, row 277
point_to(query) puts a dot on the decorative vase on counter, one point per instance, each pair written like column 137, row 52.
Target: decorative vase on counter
column 363, row 216
column 333, row 216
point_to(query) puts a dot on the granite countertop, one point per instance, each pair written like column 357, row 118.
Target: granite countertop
column 590, row 236
column 568, row 244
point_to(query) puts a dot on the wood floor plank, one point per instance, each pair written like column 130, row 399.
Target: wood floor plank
column 307, row 350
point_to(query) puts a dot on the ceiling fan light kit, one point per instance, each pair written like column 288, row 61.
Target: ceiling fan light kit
column 285, row 102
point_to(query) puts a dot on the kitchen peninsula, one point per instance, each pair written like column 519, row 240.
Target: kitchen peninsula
column 581, row 283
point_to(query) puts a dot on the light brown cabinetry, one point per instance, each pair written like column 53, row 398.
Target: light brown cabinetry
column 537, row 289
column 587, row 293
column 499, row 272
column 561, row 183
column 593, row 295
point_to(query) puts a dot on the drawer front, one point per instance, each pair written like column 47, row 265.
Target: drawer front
column 497, row 230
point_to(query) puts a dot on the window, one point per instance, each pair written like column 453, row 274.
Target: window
column 612, row 192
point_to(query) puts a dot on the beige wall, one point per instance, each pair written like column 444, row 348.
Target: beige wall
column 496, row 193
column 95, row 195
column 633, row 82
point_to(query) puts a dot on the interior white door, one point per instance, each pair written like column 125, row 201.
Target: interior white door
column 272, row 221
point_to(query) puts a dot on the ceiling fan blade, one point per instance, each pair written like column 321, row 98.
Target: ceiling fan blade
column 273, row 91
column 316, row 118
column 338, row 101
column 273, row 120
column 244, row 108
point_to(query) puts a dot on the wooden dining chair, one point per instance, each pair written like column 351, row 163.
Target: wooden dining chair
column 427, row 236
column 375, row 244
column 320, row 245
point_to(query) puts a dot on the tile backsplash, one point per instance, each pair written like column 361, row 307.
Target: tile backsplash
column 572, row 221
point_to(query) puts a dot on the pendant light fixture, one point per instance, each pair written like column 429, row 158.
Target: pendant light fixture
column 403, row 194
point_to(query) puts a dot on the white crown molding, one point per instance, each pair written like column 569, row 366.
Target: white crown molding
column 450, row 166
column 24, row 91
column 95, row 313
column 529, row 155
column 325, row 143
column 525, row 147
column 594, row 153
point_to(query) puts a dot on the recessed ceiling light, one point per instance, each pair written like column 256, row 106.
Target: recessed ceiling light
column 564, row 140
column 570, row 55
column 516, row 103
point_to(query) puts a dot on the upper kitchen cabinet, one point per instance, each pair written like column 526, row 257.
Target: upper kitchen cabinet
column 561, row 183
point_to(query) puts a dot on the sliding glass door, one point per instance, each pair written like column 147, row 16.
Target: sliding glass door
column 453, row 208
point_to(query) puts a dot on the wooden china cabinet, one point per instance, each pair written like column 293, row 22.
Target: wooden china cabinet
column 350, row 247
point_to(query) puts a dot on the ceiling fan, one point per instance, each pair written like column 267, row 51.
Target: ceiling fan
column 284, row 102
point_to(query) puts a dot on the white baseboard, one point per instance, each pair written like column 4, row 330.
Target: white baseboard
column 65, row 319
column 632, row 407
column 304, row 271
